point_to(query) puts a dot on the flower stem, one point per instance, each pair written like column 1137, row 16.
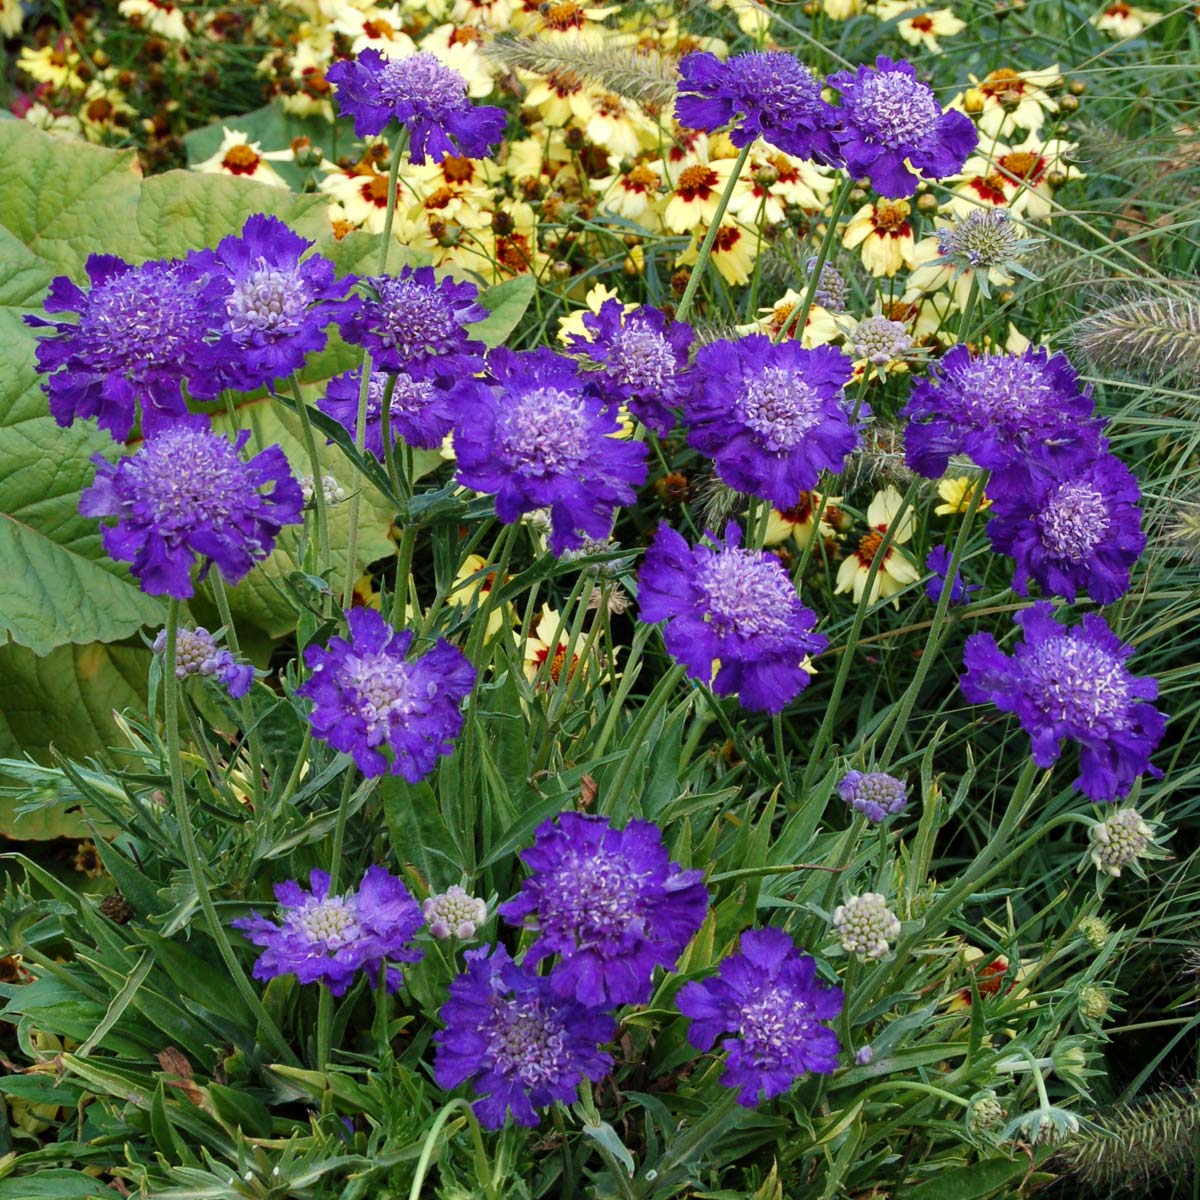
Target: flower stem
column 482, row 1170
column 314, row 462
column 191, row 853
column 693, row 284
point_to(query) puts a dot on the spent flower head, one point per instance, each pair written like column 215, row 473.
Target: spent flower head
column 985, row 240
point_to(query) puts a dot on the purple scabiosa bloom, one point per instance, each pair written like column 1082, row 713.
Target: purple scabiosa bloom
column 521, row 1046
column 328, row 939
column 889, row 116
column 264, row 304
column 421, row 410
column 938, row 561
column 422, row 94
column 1081, row 534
column 139, row 333
column 769, row 998
column 610, row 903
column 366, row 694
column 197, row 653
column 776, row 97
column 643, row 363
column 733, row 604
column 187, row 494
column 416, row 322
column 1071, row 683
column 875, row 794
column 540, row 439
column 771, row 416
column 1001, row 410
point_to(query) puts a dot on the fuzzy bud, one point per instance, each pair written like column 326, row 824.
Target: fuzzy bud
column 865, row 925
column 454, row 913
column 1093, row 1002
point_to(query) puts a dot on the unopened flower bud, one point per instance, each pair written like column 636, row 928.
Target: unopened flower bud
column 1093, row 1002
column 865, row 925
column 454, row 913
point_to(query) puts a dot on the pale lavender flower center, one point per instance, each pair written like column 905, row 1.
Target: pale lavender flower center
column 1008, row 390
column 188, row 479
column 745, row 595
column 422, row 80
column 525, row 1040
column 1078, row 682
column 780, row 407
column 1074, row 521
column 600, row 898
column 267, row 300
column 383, row 688
column 141, row 317
column 770, row 1024
column 332, row 922
column 878, row 787
column 545, row 432
column 897, row 110
column 411, row 318
column 409, row 396
column 881, row 341
column 774, row 80
column 642, row 358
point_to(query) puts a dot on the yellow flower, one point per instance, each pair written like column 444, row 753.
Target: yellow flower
column 376, row 29
column 884, row 234
column 922, row 28
column 697, row 194
column 468, row 591
column 562, row 18
column 752, row 18
column 11, row 15
column 100, row 108
column 619, row 125
column 244, row 159
column 733, row 252
column 1008, row 99
column 494, row 14
column 629, row 193
column 52, row 65
column 956, row 492
column 158, row 17
column 797, row 522
column 1124, row 20
column 572, row 323
column 819, row 330
column 897, row 570
column 841, row 10
column 559, row 99
column 1022, row 176
column 546, row 649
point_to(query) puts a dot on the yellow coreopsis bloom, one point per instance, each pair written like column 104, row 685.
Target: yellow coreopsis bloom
column 629, row 193
column 11, row 16
column 897, row 570
column 548, row 643
column 798, row 522
column 244, row 159
column 697, row 194
column 922, row 28
column 619, row 125
column 733, row 252
column 956, row 492
column 820, row 329
column 472, row 589
column 53, row 65
column 1022, row 177
column 572, row 323
column 459, row 47
column 884, row 236
column 1124, row 20
column 158, row 17
column 377, row 29
column 1008, row 99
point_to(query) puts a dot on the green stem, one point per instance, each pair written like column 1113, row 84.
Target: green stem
column 798, row 317
column 431, row 1139
column 314, row 462
column 404, row 561
column 261, row 813
column 937, row 631
column 693, row 284
column 191, row 853
column 640, row 728
column 567, row 1191
column 964, row 326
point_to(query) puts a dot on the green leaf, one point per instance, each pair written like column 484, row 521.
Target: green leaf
column 53, row 1185
column 982, row 1179
column 506, row 304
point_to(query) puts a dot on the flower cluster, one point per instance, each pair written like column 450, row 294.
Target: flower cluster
column 197, row 653
column 865, row 925
column 728, row 605
column 326, row 938
column 367, row 695
column 454, row 913
column 875, row 794
column 1071, row 684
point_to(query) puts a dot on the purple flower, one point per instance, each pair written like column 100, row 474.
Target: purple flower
column 771, row 416
column 415, row 322
column 139, row 333
column 1074, row 535
column 197, row 653
column 329, row 939
column 421, row 411
column 732, row 604
column 888, row 116
column 366, row 695
column 777, row 98
column 938, row 561
column 1002, row 410
column 521, row 1046
column 875, row 794
column 610, row 904
column 264, row 302
column 644, row 364
column 769, row 998
column 1071, row 683
column 425, row 96
column 186, row 495
column 540, row 439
